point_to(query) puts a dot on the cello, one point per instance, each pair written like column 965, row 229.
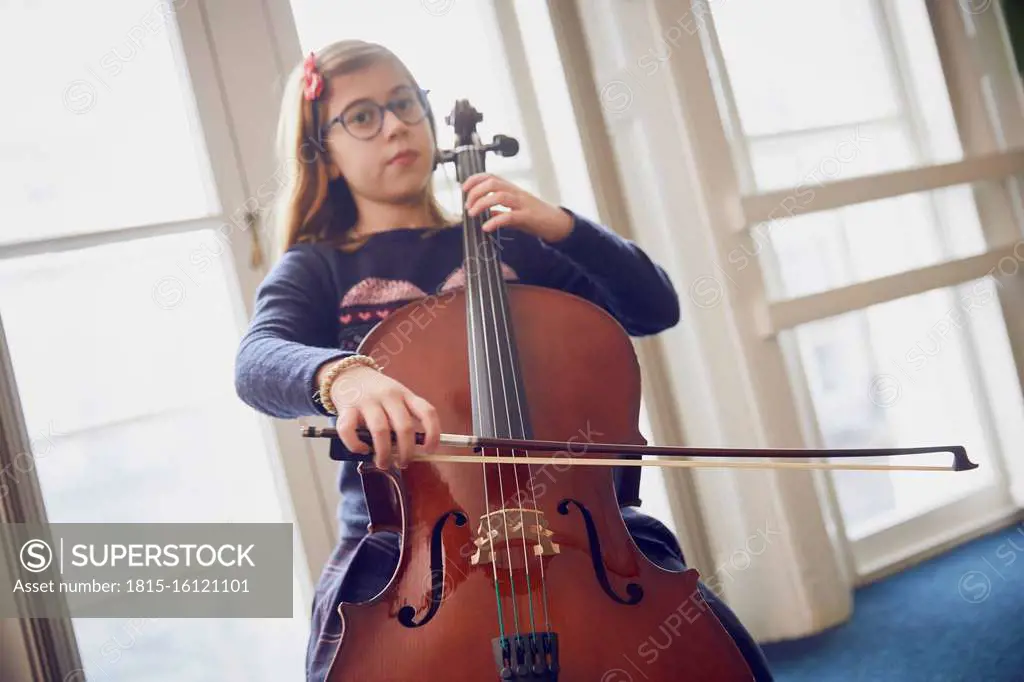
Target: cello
column 515, row 563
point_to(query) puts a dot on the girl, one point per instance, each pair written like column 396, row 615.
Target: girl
column 363, row 234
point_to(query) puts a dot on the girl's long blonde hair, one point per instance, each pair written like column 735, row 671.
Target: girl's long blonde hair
column 309, row 207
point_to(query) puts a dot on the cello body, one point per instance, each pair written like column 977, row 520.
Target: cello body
column 520, row 571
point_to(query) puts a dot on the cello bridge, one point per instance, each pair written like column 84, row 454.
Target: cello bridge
column 512, row 525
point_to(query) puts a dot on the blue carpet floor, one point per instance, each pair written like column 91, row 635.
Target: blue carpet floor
column 959, row 616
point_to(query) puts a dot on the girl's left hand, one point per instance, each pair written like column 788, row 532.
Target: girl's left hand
column 525, row 211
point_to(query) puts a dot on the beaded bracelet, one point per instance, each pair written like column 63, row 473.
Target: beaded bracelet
column 324, row 392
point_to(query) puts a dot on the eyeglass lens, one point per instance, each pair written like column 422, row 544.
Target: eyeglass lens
column 365, row 119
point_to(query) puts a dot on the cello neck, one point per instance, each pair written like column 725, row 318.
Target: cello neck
column 498, row 396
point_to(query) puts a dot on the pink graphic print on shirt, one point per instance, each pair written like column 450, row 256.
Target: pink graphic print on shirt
column 374, row 298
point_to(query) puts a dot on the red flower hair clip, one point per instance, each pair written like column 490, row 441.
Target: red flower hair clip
column 313, row 81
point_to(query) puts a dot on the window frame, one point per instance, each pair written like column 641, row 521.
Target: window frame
column 993, row 147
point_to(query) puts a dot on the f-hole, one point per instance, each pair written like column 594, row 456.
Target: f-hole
column 406, row 614
column 635, row 592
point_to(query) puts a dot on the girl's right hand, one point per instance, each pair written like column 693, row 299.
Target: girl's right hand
column 366, row 397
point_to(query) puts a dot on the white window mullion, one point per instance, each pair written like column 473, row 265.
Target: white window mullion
column 818, row 130
column 978, row 64
column 899, row 65
column 791, row 313
column 505, row 26
column 983, row 129
column 902, row 68
column 727, row 107
column 94, row 239
column 786, row 203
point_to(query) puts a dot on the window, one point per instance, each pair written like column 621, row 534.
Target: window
column 808, row 77
column 123, row 346
column 914, row 370
column 125, row 374
column 816, row 95
column 108, row 87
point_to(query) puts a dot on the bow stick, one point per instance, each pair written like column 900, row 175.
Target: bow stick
column 341, row 453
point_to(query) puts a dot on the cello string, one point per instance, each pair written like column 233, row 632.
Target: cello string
column 492, row 259
column 503, row 308
column 475, row 164
column 474, row 361
column 488, row 326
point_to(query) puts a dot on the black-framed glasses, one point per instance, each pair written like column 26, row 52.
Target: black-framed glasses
column 364, row 119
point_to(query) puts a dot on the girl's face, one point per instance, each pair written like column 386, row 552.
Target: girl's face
column 393, row 165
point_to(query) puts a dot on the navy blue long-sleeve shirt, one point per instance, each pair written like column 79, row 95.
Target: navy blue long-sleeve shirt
column 317, row 303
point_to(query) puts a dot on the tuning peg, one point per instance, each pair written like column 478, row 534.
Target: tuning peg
column 505, row 145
